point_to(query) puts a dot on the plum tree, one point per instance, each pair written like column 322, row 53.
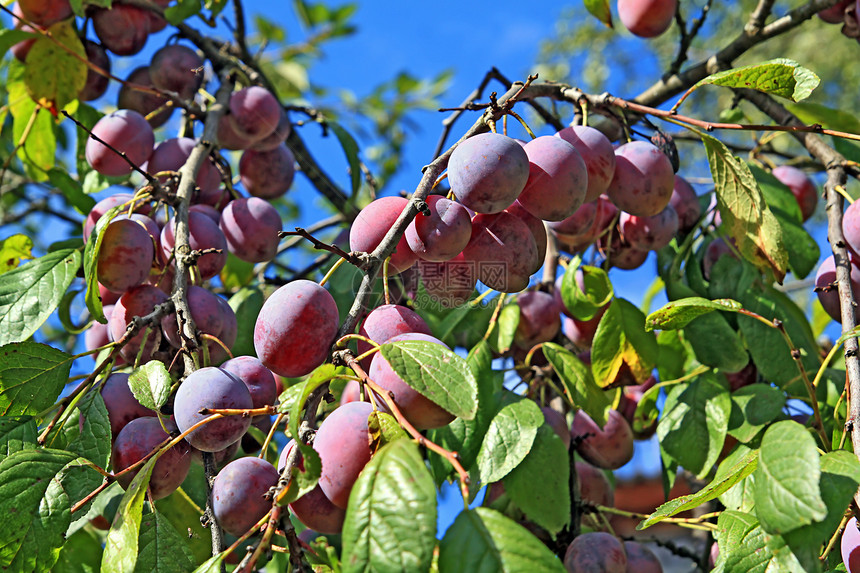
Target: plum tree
column 529, row 181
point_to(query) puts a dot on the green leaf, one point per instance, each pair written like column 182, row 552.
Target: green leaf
column 679, row 313
column 777, row 194
column 32, row 375
column 768, row 348
column 91, row 180
column 72, row 190
column 436, row 373
column 739, row 497
column 839, row 480
column 184, row 514
column 81, row 553
column 78, row 6
column 30, row 293
column 246, row 303
column 621, row 339
column 182, row 10
column 35, row 509
column 390, row 522
column 546, row 464
column 506, row 328
column 151, row 384
column 812, row 113
column 597, row 293
column 121, row 545
column 383, row 429
column 746, row 216
column 94, row 439
column 16, row 433
column 466, row 436
column 484, row 540
column 211, row 565
column 753, row 407
column 13, row 250
column 579, row 386
column 80, row 479
column 10, row 37
column 787, row 494
column 720, row 484
column 693, row 426
column 236, row 272
column 162, row 549
column 509, row 437
column 600, row 10
column 804, row 252
column 781, row 77
column 56, row 71
column 305, row 480
column 40, row 145
column 91, row 262
column 715, row 343
column 350, row 148
column 746, row 548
